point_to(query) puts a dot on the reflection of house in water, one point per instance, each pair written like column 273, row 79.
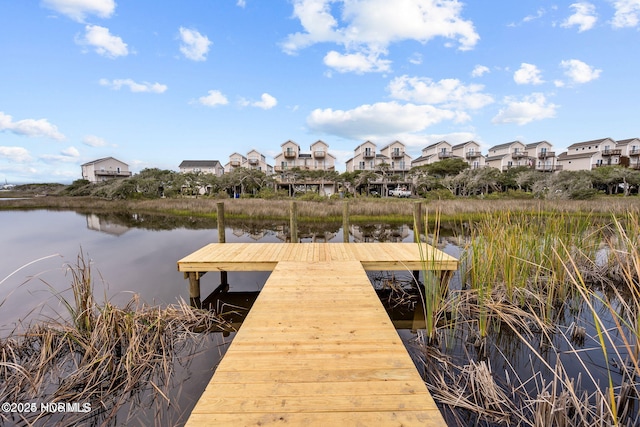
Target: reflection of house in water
column 316, row 236
column 94, row 222
column 254, row 233
column 379, row 233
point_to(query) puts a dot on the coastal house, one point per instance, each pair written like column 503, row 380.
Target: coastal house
column 589, row 155
column 542, row 157
column 399, row 161
column 203, row 166
column 105, row 169
column 253, row 160
column 508, row 155
column 630, row 152
column 292, row 156
column 434, row 153
column 469, row 152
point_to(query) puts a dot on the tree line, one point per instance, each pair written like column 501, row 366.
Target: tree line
column 446, row 178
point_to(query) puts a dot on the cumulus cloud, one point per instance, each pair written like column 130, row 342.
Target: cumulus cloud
column 379, row 119
column 584, row 17
column 266, row 102
column 528, row 109
column 78, row 10
column 367, row 27
column 195, row 46
column 241, row 3
column 579, row 72
column 528, row 74
column 68, row 155
column 627, row 13
column 358, row 62
column 450, row 93
column 15, row 154
column 103, row 42
column 30, row 127
column 133, row 86
column 213, row 98
column 479, row 70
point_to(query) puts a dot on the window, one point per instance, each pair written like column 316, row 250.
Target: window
column 361, row 166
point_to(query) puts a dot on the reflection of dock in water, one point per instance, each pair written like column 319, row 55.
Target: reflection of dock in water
column 297, row 358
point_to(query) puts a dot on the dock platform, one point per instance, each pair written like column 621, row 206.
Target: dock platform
column 296, row 360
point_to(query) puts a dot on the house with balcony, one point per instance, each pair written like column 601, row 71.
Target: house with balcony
column 434, row 153
column 589, row 155
column 469, row 152
column 105, row 169
column 398, row 160
column 201, row 166
column 253, row 160
column 509, row 155
column 542, row 157
column 318, row 158
column 630, row 152
column 365, row 158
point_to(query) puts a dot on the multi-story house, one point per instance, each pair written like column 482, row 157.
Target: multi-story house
column 470, row 152
column 292, row 157
column 398, row 160
column 203, row 166
column 434, row 153
column 631, row 151
column 542, row 157
column 105, row 169
column 506, row 156
column 253, row 160
column 590, row 155
column 365, row 158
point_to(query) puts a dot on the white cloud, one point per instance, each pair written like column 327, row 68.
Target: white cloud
column 266, row 102
column 478, row 71
column 15, row 154
column 379, row 119
column 450, row 93
column 103, row 42
column 579, row 72
column 195, row 46
column 584, row 17
column 527, row 74
column 133, row 86
column 94, row 141
column 356, row 62
column 367, row 27
column 68, row 155
column 416, row 59
column 530, row 108
column 30, row 127
column 627, row 13
column 79, row 9
column 241, row 3
column 214, row 97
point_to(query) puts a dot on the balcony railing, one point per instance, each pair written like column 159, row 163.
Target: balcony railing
column 612, row 152
column 546, row 154
column 253, row 161
column 519, row 154
column 235, row 163
column 112, row 173
column 396, row 154
column 290, row 153
column 445, row 154
column 368, row 154
column 634, row 152
column 472, row 154
column 319, row 153
column 548, row 168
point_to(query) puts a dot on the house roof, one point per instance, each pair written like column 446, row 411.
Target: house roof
column 102, row 160
column 199, row 163
column 535, row 144
column 435, row 144
column 498, row 157
column 388, row 145
column 290, row 141
column 592, row 142
column 566, row 156
column 505, row 145
column 422, row 158
column 455, row 147
column 627, row 141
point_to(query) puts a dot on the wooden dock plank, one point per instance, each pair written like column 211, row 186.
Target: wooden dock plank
column 298, row 360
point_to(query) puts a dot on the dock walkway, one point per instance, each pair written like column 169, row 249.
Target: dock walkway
column 295, row 360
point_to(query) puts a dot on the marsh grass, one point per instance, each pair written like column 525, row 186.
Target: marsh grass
column 107, row 356
column 559, row 295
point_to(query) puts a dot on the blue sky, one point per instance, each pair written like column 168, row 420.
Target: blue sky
column 154, row 83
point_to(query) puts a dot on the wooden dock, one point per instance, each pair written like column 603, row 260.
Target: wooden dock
column 296, row 360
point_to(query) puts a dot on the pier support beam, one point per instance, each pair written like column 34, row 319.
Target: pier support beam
column 222, row 238
column 194, row 288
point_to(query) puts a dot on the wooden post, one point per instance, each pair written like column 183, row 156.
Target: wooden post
column 222, row 239
column 194, row 290
column 345, row 222
column 293, row 222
